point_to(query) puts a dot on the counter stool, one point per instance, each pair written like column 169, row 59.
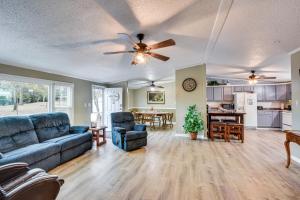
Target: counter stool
column 236, row 130
column 218, row 129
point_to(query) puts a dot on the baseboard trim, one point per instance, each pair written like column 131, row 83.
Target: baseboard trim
column 296, row 159
column 199, row 136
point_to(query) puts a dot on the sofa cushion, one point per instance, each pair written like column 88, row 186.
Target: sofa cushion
column 133, row 135
column 50, row 125
column 7, row 144
column 71, row 140
column 16, row 132
column 31, row 154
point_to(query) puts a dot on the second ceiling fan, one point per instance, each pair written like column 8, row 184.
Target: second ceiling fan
column 141, row 50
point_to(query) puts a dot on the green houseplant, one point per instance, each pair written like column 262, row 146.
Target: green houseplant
column 193, row 122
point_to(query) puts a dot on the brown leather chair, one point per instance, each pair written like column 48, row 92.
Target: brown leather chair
column 18, row 182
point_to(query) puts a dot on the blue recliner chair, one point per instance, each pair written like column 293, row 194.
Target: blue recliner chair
column 125, row 133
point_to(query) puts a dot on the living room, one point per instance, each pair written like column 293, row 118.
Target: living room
column 132, row 99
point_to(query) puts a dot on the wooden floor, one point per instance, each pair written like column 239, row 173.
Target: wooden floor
column 172, row 167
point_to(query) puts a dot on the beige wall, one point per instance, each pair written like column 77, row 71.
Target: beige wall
column 185, row 99
column 82, row 89
column 137, row 99
column 295, row 61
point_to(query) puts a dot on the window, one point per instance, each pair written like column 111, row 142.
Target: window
column 63, row 98
column 19, row 98
column 23, row 96
column 97, row 105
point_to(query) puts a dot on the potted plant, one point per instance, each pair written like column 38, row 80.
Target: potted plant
column 193, row 122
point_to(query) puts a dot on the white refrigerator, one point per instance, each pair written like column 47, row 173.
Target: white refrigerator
column 247, row 102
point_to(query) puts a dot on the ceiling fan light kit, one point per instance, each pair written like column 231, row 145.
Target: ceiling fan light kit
column 143, row 51
column 253, row 78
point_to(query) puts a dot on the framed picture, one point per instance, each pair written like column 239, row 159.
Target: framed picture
column 155, row 97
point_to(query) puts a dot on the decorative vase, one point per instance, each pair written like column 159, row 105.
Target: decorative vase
column 193, row 136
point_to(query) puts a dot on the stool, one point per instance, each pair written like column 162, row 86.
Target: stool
column 218, row 129
column 236, row 130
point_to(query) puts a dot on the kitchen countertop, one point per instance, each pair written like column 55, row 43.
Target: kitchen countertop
column 275, row 109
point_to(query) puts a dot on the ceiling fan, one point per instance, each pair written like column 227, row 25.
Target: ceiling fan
column 253, row 78
column 141, row 50
column 152, row 86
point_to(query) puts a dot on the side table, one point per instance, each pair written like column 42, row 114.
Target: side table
column 291, row 136
column 97, row 135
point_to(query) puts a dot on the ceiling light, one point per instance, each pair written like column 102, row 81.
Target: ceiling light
column 140, row 58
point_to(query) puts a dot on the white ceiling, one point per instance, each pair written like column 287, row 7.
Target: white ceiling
column 69, row 37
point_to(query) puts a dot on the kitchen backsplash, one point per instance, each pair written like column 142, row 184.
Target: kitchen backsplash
column 263, row 104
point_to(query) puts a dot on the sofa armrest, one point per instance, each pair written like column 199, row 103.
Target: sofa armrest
column 119, row 130
column 140, row 127
column 79, row 129
column 10, row 170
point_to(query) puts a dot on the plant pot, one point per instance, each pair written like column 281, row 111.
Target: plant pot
column 193, row 136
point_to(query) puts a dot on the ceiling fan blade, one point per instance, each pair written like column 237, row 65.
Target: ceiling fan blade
column 166, row 43
column 116, row 52
column 129, row 38
column 159, row 56
column 267, row 77
column 159, row 86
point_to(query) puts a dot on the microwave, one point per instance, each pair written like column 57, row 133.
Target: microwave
column 228, row 106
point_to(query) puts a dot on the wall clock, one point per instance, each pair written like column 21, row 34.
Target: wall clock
column 189, row 84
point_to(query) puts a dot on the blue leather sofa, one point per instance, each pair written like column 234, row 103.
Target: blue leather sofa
column 42, row 140
column 125, row 133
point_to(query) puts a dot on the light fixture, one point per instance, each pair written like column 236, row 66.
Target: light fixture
column 252, row 81
column 140, row 58
column 152, row 88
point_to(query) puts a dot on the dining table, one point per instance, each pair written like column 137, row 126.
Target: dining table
column 161, row 114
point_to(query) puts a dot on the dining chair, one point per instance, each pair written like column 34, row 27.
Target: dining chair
column 150, row 118
column 168, row 120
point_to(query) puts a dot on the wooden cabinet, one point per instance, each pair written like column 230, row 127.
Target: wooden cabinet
column 248, row 89
column 227, row 94
column 210, row 93
column 269, row 118
column 281, row 92
column 276, row 119
column 265, row 93
column 218, row 93
column 264, row 119
column 288, row 92
column 270, row 93
column 238, row 89
column 259, row 90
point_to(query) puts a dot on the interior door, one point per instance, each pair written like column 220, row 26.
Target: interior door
column 113, row 103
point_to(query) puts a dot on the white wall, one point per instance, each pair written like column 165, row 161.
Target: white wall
column 185, row 99
column 295, row 61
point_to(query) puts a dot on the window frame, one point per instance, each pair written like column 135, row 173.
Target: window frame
column 49, row 83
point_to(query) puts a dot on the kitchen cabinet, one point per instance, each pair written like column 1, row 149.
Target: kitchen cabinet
column 270, row 93
column 288, row 92
column 259, row 90
column 238, row 89
column 210, row 93
column 227, row 94
column 281, row 92
column 218, row 93
column 248, row 89
column 264, row 119
column 269, row 118
column 276, row 119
